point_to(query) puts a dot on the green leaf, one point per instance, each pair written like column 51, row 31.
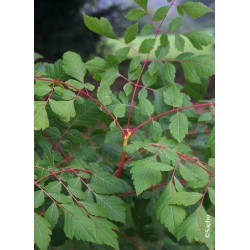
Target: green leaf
column 73, row 65
column 145, row 107
column 42, row 232
column 53, row 187
column 162, row 51
column 136, row 14
column 38, row 198
column 169, row 70
column 211, row 195
column 149, row 79
column 74, row 136
column 170, row 215
column 135, row 63
column 155, row 130
column 96, row 67
column 173, row 96
column 42, row 88
column 38, row 56
column 104, row 93
column 65, row 94
column 195, row 227
column 147, row 45
column 77, row 225
column 61, row 198
column 65, row 109
column 179, row 187
column 147, row 28
column 56, row 71
column 161, row 13
column 128, row 88
column 87, row 114
column 76, row 84
column 153, row 68
column 198, row 67
column 146, row 173
column 104, row 183
column 119, row 110
column 164, row 40
column 175, row 24
column 121, row 54
column 185, row 198
column 79, row 194
column 199, row 38
column 142, row 3
column 52, row 215
column 40, row 118
column 178, row 126
column 105, row 233
column 94, row 209
column 100, row 26
column 113, row 206
column 195, row 9
column 130, row 33
column 205, row 117
column 179, row 43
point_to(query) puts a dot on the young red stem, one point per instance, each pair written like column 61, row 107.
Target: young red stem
column 87, row 95
column 121, row 165
column 131, row 106
column 169, row 112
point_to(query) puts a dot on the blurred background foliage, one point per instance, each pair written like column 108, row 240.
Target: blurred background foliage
column 59, row 24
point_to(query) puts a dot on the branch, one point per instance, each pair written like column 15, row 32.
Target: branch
column 67, row 170
column 207, row 104
column 85, row 94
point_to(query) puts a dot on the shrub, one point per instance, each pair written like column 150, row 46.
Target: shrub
column 136, row 162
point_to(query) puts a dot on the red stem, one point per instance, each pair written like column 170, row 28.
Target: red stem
column 121, row 165
column 131, row 106
column 171, row 111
